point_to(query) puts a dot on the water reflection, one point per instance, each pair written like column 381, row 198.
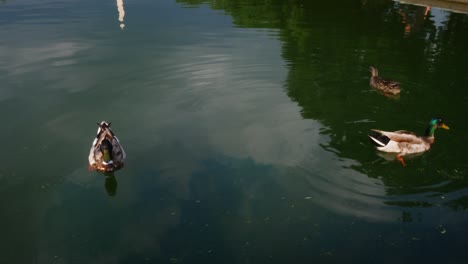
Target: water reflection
column 110, row 184
column 239, row 154
column 455, row 6
column 121, row 10
column 414, row 19
column 393, row 157
column 328, row 80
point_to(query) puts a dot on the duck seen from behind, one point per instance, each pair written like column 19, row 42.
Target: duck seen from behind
column 106, row 153
column 403, row 142
column 381, row 84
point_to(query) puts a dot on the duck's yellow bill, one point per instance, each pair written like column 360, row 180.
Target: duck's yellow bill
column 444, row 126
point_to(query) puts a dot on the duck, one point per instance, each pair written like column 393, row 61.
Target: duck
column 106, row 154
column 385, row 85
column 404, row 142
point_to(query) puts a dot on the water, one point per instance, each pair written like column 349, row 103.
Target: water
column 245, row 126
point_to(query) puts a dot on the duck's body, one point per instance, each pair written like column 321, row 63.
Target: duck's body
column 381, row 84
column 106, row 153
column 403, row 142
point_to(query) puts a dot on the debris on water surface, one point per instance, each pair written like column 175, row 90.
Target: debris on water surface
column 326, row 253
column 441, row 229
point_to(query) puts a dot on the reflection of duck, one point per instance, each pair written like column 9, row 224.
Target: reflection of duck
column 111, row 184
column 403, row 142
column 106, row 153
column 392, row 156
column 384, row 85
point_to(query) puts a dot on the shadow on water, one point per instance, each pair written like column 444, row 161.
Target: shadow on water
column 110, row 184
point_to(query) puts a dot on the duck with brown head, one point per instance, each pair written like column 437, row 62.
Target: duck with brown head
column 386, row 86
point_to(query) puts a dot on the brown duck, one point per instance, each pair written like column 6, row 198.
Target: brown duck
column 384, row 85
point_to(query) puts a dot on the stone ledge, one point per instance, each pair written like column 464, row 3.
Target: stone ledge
column 459, row 6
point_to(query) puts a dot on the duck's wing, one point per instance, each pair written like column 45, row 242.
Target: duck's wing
column 402, row 136
column 390, row 83
column 118, row 153
column 93, row 153
column 404, row 132
column 378, row 138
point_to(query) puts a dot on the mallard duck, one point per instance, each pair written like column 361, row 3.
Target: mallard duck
column 403, row 142
column 106, row 153
column 384, row 85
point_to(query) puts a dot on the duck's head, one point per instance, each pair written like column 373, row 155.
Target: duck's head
column 439, row 123
column 435, row 123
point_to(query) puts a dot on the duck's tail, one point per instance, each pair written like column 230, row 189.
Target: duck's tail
column 374, row 71
column 378, row 139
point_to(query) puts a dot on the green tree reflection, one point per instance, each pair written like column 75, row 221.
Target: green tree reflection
column 329, row 46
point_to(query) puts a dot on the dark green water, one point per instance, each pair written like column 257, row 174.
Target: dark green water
column 245, row 124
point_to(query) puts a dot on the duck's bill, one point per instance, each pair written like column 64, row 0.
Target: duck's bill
column 444, row 126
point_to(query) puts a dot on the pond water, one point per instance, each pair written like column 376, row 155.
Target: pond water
column 245, row 124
